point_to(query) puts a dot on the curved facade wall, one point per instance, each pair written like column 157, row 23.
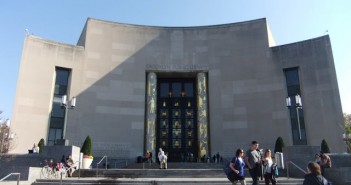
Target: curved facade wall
column 246, row 87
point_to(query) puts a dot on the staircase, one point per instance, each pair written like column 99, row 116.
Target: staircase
column 176, row 174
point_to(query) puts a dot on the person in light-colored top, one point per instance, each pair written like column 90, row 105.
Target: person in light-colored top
column 35, row 148
column 268, row 165
column 253, row 160
column 162, row 158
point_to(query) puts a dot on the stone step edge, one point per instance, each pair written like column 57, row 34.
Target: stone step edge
column 208, row 180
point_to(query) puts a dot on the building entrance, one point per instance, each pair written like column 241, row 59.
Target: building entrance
column 176, row 123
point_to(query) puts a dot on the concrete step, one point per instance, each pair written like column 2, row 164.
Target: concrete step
column 156, row 181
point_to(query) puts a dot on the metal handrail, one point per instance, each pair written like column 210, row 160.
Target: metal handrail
column 287, row 169
column 125, row 161
column 97, row 165
column 7, row 176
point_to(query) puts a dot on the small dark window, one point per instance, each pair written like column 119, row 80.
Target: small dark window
column 164, row 90
column 189, row 89
column 176, row 89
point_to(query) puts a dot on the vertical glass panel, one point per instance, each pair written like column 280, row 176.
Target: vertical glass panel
column 61, row 81
column 164, row 90
column 58, row 133
column 292, row 77
column 296, row 114
column 189, row 89
column 176, row 89
column 57, row 111
column 52, row 134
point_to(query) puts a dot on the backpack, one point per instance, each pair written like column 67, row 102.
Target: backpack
column 227, row 169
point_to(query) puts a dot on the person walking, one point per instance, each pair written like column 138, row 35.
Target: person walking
column 268, row 168
column 162, row 158
column 314, row 175
column 253, row 161
column 325, row 162
column 237, row 165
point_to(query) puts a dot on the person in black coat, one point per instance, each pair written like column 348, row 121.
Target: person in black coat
column 314, row 176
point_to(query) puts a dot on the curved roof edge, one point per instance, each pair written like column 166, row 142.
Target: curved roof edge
column 177, row 27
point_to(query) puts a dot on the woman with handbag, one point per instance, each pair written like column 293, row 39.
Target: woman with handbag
column 268, row 165
column 237, row 165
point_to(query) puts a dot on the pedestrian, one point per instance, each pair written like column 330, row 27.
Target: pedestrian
column 162, row 158
column 35, row 148
column 314, row 175
column 253, row 161
column 325, row 162
column 268, row 165
column 237, row 165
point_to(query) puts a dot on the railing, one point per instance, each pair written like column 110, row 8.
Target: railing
column 7, row 176
column 287, row 168
column 97, row 165
column 125, row 161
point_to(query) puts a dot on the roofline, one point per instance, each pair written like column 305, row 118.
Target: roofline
column 177, row 27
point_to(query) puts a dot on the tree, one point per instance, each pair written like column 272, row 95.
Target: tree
column 325, row 147
column 279, row 145
column 87, row 148
column 41, row 145
column 6, row 137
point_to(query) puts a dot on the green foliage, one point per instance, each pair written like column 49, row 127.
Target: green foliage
column 86, row 148
column 325, row 147
column 279, row 145
column 347, row 122
column 41, row 145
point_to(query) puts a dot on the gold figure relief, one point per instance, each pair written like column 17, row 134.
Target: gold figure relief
column 163, row 123
column 176, row 123
column 163, row 143
column 176, row 104
column 170, row 94
column 183, row 94
column 164, row 104
column 176, row 143
column 190, row 133
column 152, row 106
column 164, row 113
column 176, row 133
column 164, row 133
column 189, row 104
column 189, row 114
column 189, row 143
column 176, row 113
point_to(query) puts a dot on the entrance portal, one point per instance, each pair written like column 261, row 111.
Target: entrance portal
column 176, row 124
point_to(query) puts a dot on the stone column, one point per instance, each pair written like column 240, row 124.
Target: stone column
column 150, row 137
column 202, row 117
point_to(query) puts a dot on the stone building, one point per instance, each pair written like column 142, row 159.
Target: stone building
column 190, row 90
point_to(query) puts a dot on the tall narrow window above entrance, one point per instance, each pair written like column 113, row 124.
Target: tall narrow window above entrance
column 296, row 113
column 57, row 113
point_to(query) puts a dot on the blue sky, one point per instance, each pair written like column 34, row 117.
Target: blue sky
column 63, row 21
